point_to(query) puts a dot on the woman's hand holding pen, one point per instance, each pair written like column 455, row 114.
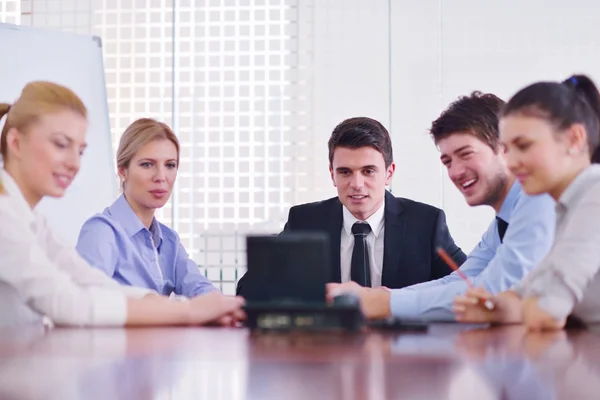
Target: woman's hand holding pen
column 471, row 307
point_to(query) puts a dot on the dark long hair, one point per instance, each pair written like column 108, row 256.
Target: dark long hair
column 573, row 101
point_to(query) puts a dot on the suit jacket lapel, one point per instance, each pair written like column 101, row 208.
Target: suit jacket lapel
column 334, row 229
column 395, row 228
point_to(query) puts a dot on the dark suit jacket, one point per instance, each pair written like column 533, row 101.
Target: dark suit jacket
column 413, row 232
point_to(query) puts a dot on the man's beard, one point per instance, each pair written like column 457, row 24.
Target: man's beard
column 497, row 189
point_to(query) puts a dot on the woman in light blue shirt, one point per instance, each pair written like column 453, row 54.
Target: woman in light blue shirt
column 125, row 240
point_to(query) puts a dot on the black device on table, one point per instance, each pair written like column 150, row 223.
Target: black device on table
column 285, row 285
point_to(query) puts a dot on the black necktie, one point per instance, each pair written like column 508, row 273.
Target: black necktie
column 502, row 227
column 359, row 267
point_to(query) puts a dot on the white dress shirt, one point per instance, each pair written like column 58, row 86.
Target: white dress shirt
column 374, row 244
column 41, row 275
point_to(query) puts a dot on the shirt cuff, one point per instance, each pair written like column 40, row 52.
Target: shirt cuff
column 205, row 289
column 404, row 304
column 109, row 307
column 553, row 295
column 555, row 305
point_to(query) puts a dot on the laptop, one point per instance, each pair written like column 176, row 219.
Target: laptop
column 291, row 268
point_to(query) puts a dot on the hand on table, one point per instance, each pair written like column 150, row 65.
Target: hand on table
column 471, row 307
column 374, row 302
column 216, row 308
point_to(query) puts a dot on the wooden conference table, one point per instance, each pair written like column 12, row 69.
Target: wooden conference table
column 449, row 362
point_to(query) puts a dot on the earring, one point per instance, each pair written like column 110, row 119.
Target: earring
column 571, row 151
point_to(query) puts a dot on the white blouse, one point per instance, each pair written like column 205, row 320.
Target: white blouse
column 567, row 281
column 39, row 276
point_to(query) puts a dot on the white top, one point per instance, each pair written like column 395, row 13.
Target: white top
column 39, row 275
column 567, row 281
column 374, row 244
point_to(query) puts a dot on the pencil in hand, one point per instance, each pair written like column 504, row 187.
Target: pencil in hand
column 487, row 303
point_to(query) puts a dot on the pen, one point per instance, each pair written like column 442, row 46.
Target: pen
column 448, row 260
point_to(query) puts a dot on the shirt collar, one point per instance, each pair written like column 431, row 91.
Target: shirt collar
column 14, row 191
column 508, row 205
column 156, row 232
column 375, row 221
column 122, row 211
column 579, row 185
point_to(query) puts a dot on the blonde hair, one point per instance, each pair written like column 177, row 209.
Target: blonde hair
column 37, row 98
column 140, row 133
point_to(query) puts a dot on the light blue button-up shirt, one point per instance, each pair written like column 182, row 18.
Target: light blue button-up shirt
column 117, row 242
column 493, row 265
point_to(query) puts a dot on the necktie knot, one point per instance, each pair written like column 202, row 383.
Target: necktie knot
column 361, row 228
column 502, row 227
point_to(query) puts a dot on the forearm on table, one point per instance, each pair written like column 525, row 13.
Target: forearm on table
column 157, row 310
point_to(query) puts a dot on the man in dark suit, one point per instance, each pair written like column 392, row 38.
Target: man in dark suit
column 467, row 135
column 376, row 239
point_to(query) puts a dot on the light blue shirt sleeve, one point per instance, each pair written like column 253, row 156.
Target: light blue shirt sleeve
column 473, row 265
column 98, row 246
column 492, row 265
column 453, row 277
column 189, row 281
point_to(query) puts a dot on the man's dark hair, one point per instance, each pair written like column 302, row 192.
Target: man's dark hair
column 476, row 114
column 354, row 133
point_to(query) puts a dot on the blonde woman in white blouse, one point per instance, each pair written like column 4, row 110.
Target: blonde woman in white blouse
column 41, row 145
column 551, row 132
